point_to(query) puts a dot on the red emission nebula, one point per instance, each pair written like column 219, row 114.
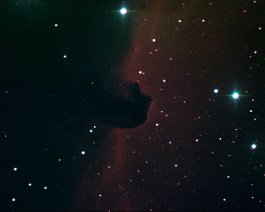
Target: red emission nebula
column 157, row 60
column 126, row 146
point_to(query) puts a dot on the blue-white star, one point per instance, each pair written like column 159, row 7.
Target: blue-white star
column 123, row 11
column 235, row 95
column 253, row 146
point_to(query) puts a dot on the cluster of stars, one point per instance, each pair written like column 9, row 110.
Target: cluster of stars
column 171, row 140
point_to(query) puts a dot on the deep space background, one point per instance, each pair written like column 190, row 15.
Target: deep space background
column 76, row 133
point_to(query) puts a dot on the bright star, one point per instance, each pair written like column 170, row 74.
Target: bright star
column 235, row 95
column 215, row 90
column 123, row 11
column 253, row 146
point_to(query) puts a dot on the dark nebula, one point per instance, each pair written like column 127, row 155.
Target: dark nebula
column 62, row 88
column 132, row 112
column 126, row 111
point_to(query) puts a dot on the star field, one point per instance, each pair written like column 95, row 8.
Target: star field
column 132, row 105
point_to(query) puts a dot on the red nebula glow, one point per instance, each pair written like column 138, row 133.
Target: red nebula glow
column 112, row 188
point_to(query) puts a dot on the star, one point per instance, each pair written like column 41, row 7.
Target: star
column 235, row 95
column 253, row 146
column 123, row 11
column 216, row 91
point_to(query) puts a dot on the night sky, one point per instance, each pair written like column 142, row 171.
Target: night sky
column 132, row 105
